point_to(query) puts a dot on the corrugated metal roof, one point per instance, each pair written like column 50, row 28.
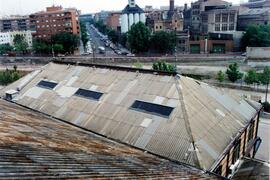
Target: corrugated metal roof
column 33, row 146
column 195, row 121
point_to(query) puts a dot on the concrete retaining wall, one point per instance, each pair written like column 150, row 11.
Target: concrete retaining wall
column 258, row 52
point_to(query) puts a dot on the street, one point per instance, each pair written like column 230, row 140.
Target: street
column 96, row 41
column 264, row 133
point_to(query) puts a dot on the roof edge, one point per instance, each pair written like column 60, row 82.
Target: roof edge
column 113, row 67
column 231, row 144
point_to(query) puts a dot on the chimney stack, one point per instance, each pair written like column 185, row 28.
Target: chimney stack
column 171, row 5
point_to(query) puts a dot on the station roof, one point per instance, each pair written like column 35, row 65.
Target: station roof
column 35, row 146
column 172, row 116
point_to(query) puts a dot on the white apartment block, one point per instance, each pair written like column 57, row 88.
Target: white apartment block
column 8, row 37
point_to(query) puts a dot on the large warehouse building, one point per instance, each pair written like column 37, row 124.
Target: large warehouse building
column 174, row 117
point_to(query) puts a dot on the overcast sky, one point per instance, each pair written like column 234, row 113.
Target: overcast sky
column 8, row 7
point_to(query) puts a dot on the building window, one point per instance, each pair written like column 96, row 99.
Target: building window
column 217, row 27
column 160, row 27
column 217, row 18
column 224, row 27
column 219, row 170
column 236, row 153
column 231, row 27
column 251, row 131
column 224, row 17
column 231, row 17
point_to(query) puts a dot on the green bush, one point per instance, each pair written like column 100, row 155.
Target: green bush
column 221, row 76
column 138, row 65
column 266, row 106
column 234, row 73
column 163, row 66
column 9, row 76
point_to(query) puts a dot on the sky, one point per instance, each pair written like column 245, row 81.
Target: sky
column 23, row 7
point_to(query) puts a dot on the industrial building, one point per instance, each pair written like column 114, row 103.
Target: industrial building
column 172, row 116
column 132, row 14
column 36, row 146
column 53, row 21
column 258, row 16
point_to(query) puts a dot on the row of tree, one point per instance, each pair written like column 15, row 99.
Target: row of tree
column 59, row 43
column 251, row 77
column 256, row 36
column 84, row 35
column 20, row 45
column 140, row 38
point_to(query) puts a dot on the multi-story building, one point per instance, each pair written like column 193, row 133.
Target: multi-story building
column 53, row 21
column 4, row 38
column 220, row 20
column 86, row 17
column 259, row 16
column 200, row 6
column 8, row 37
column 171, row 20
column 113, row 21
column 101, row 16
column 14, row 23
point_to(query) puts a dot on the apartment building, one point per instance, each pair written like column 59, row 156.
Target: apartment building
column 53, row 21
column 113, row 21
column 14, row 23
column 8, row 37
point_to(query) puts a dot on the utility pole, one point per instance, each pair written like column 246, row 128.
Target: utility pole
column 175, row 50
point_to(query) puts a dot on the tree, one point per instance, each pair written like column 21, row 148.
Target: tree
column 256, row 36
column 9, row 76
column 20, row 43
column 163, row 42
column 84, row 35
column 139, row 38
column 251, row 77
column 265, row 79
column 123, row 39
column 68, row 41
column 58, row 48
column 113, row 36
column 233, row 72
column 163, row 66
column 221, row 76
column 41, row 46
column 4, row 48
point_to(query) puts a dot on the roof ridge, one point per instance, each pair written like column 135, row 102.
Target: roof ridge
column 186, row 121
column 114, row 67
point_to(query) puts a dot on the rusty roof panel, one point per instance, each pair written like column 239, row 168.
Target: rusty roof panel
column 33, row 146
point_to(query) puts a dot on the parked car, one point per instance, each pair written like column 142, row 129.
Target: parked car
column 130, row 55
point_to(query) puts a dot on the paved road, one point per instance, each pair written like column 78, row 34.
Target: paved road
column 264, row 132
column 97, row 42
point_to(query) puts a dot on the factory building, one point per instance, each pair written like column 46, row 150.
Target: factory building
column 132, row 14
